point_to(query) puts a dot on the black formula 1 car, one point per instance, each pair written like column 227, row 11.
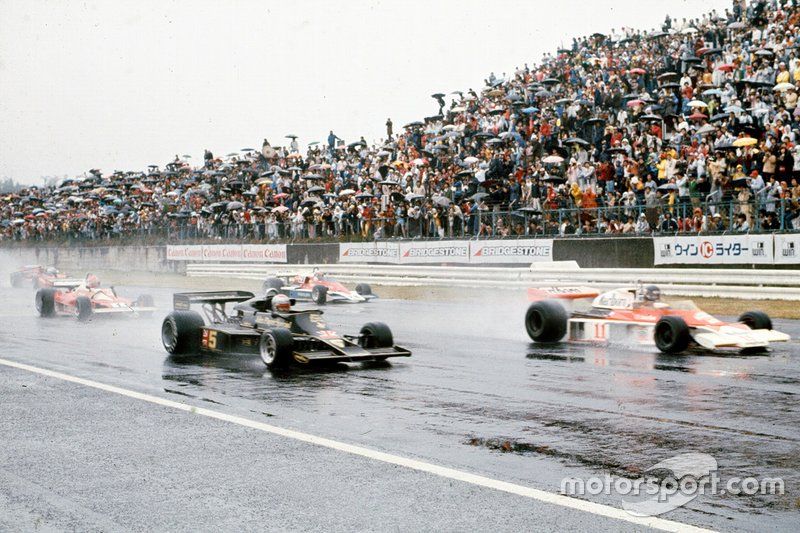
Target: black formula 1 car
column 281, row 338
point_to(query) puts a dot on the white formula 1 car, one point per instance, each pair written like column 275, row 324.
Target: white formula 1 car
column 634, row 315
column 318, row 288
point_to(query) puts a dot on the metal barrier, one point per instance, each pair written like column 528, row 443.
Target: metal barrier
column 730, row 283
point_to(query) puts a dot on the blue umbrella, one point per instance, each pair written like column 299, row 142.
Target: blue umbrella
column 530, row 110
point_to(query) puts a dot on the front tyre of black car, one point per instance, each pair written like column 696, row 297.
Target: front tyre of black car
column 276, row 347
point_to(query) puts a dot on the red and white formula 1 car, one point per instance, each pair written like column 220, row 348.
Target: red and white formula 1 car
column 36, row 275
column 85, row 298
column 318, row 288
column 638, row 316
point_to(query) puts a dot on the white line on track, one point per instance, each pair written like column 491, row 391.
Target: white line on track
column 442, row 471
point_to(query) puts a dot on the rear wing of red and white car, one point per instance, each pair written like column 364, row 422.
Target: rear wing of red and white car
column 536, row 294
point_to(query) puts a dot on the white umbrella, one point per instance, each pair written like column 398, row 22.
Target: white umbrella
column 785, row 86
column 697, row 103
column 471, row 159
column 553, row 159
column 346, row 192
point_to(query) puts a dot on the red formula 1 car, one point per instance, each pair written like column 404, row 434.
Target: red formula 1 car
column 318, row 288
column 35, row 275
column 638, row 316
column 85, row 298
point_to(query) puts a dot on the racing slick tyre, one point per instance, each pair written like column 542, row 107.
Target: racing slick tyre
column 376, row 335
column 756, row 320
column 319, row 294
column 272, row 283
column 17, row 280
column 546, row 321
column 363, row 289
column 276, row 347
column 83, row 308
column 45, row 302
column 672, row 334
column 181, row 332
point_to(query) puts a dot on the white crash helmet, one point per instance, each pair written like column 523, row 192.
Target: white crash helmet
column 281, row 303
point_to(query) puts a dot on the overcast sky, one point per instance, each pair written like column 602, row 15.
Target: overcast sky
column 120, row 85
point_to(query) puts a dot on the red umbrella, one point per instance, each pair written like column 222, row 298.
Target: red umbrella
column 697, row 116
column 634, row 103
column 281, row 195
column 637, row 71
column 728, row 67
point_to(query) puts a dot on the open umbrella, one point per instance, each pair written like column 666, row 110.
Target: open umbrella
column 410, row 197
column 650, row 118
column 668, row 187
column 346, row 192
column 315, row 188
column 785, row 86
column 478, row 196
column 668, row 86
column 697, row 116
column 234, row 205
column 576, row 140
column 637, row 70
column 441, row 200
column 697, row 103
column 745, row 141
column 553, row 159
column 726, row 67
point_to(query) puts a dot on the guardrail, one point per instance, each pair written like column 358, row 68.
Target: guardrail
column 730, row 283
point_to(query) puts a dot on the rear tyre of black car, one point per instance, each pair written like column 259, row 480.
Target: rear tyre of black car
column 672, row 334
column 363, row 289
column 272, row 283
column 181, row 332
column 376, row 335
column 45, row 302
column 276, row 347
column 319, row 294
column 83, row 308
column 546, row 321
column 756, row 320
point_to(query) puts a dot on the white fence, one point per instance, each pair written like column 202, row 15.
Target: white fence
column 731, row 283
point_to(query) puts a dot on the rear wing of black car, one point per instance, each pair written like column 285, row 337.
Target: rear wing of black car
column 184, row 300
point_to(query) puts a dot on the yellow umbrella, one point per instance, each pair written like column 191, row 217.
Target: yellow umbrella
column 745, row 141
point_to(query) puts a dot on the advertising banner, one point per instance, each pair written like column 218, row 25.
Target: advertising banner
column 185, row 253
column 713, row 250
column 369, row 252
column 434, row 252
column 265, row 253
column 523, row 251
column 787, row 249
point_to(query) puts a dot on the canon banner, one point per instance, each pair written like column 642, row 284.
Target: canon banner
column 265, row 253
column 713, row 250
column 369, row 252
column 520, row 251
column 787, row 249
column 438, row 252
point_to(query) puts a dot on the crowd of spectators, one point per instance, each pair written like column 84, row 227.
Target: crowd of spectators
column 693, row 127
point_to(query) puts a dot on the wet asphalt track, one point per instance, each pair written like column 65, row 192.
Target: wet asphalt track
column 476, row 395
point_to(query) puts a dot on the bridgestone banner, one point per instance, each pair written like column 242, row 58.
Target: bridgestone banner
column 520, row 251
column 263, row 253
column 369, row 252
column 446, row 252
column 713, row 250
column 416, row 252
